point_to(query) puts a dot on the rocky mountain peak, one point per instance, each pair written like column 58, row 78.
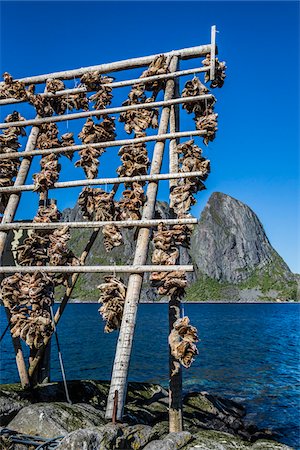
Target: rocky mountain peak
column 230, row 241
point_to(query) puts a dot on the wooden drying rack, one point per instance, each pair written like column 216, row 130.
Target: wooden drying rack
column 169, row 118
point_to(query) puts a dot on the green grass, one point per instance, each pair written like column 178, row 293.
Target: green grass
column 206, row 289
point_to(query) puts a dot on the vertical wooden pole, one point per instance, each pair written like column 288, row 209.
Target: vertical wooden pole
column 213, row 52
column 14, row 199
column 175, row 370
column 43, row 373
column 175, row 374
column 8, row 216
column 124, row 344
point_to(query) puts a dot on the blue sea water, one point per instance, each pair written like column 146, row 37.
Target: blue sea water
column 248, row 352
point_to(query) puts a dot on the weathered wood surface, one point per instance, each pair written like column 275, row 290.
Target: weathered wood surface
column 119, row 223
column 175, row 375
column 132, row 63
column 114, row 84
column 101, row 112
column 106, row 144
column 213, row 52
column 7, row 217
column 124, row 345
column 136, row 268
column 175, row 370
column 104, row 181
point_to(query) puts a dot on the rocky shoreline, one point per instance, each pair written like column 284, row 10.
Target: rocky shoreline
column 210, row 422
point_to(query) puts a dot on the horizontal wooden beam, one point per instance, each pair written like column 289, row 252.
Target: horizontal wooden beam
column 96, row 269
column 118, row 143
column 104, row 181
column 120, row 223
column 132, row 63
column 115, row 84
column 99, row 112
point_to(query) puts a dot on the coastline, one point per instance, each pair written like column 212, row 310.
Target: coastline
column 211, row 302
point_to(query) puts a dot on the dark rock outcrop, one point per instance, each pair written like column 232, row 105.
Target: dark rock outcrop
column 208, row 419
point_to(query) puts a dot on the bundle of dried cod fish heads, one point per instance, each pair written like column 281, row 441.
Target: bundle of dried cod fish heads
column 41, row 103
column 159, row 66
column 94, row 80
column 68, row 102
column 45, row 106
column 96, row 204
column 48, row 139
column 12, row 88
column 182, row 341
column 89, row 160
column 47, row 214
column 103, row 96
column 11, row 295
column 92, row 133
column 15, row 116
column 112, row 297
column 191, row 159
column 220, row 75
column 169, row 283
column 134, row 159
column 53, row 85
column 166, row 241
column 192, row 88
column 101, row 132
column 28, row 297
column 34, row 250
column 112, row 237
column 48, row 136
column 49, row 174
column 205, row 118
column 138, row 120
column 208, row 123
column 182, row 196
column 129, row 206
column 60, row 255
column 67, row 140
column 9, row 167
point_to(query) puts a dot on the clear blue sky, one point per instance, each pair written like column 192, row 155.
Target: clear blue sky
column 255, row 155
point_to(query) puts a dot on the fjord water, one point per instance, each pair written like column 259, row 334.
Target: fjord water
column 248, row 352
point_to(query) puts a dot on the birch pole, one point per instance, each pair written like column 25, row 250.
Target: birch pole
column 124, row 345
column 175, row 370
column 8, row 217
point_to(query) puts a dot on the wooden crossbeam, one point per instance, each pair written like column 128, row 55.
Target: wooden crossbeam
column 132, row 63
column 119, row 223
column 135, row 268
column 114, row 85
column 104, row 181
column 106, row 144
column 105, row 111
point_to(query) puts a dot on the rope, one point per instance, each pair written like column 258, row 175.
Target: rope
column 4, row 332
column 60, row 359
column 7, row 326
column 38, row 442
column 182, row 309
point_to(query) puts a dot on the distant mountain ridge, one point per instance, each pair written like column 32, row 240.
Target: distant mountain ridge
column 232, row 256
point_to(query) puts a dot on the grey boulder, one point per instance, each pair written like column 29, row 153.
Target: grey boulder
column 55, row 419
